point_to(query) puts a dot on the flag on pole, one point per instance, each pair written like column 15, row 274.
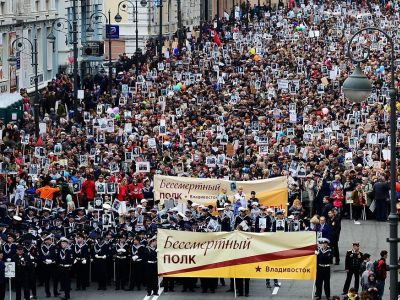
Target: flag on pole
column 216, row 39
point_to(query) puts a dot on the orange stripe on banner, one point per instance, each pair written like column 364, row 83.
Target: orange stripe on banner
column 292, row 253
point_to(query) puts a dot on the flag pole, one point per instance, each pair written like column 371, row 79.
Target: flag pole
column 234, row 286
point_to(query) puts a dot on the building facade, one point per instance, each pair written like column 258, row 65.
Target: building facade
column 35, row 18
column 227, row 5
column 27, row 19
column 149, row 21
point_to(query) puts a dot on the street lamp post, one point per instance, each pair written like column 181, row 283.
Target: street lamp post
column 217, row 15
column 179, row 31
column 357, row 89
column 206, row 11
column 160, row 33
column 19, row 45
column 57, row 25
column 75, row 46
column 91, row 30
column 118, row 19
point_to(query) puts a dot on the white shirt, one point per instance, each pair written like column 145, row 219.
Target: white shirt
column 242, row 198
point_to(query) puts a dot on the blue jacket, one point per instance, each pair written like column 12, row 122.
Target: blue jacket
column 326, row 231
column 2, row 272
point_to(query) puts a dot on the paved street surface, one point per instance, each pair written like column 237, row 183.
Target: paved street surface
column 372, row 236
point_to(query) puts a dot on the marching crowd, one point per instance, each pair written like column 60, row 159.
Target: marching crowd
column 255, row 95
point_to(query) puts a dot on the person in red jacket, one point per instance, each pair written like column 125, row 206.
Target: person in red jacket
column 136, row 191
column 88, row 190
column 123, row 190
column 338, row 197
column 381, row 273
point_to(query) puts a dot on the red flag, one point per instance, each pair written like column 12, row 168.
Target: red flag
column 216, row 39
column 39, row 142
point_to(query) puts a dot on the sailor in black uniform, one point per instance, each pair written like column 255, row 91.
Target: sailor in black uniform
column 64, row 261
column 47, row 257
column 31, row 250
column 101, row 251
column 223, row 220
column 324, row 261
column 9, row 248
column 81, row 261
column 138, row 254
column 151, row 268
column 22, row 267
column 121, row 255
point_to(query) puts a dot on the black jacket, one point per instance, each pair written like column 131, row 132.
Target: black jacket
column 353, row 261
column 22, row 266
column 380, row 191
column 326, row 207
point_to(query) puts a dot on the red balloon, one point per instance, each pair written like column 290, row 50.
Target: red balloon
column 71, row 60
column 235, row 29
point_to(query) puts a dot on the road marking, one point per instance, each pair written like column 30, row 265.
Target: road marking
column 275, row 291
column 159, row 294
column 160, row 290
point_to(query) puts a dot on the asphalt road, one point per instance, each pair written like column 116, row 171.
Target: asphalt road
column 370, row 234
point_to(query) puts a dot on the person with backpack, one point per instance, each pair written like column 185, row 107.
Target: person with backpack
column 366, row 260
column 380, row 269
column 364, row 276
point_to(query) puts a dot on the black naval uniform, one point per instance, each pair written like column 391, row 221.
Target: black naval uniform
column 32, row 252
column 81, row 262
column 138, row 256
column 65, row 260
column 9, row 251
column 225, row 223
column 48, row 257
column 352, row 265
column 101, row 253
column 151, row 271
column 121, row 263
column 2, row 280
column 22, row 268
column 110, row 262
column 324, row 260
column 208, row 283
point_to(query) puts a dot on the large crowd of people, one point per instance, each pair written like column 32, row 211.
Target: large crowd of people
column 253, row 96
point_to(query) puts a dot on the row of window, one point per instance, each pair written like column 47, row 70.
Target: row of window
column 45, row 53
column 23, row 7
